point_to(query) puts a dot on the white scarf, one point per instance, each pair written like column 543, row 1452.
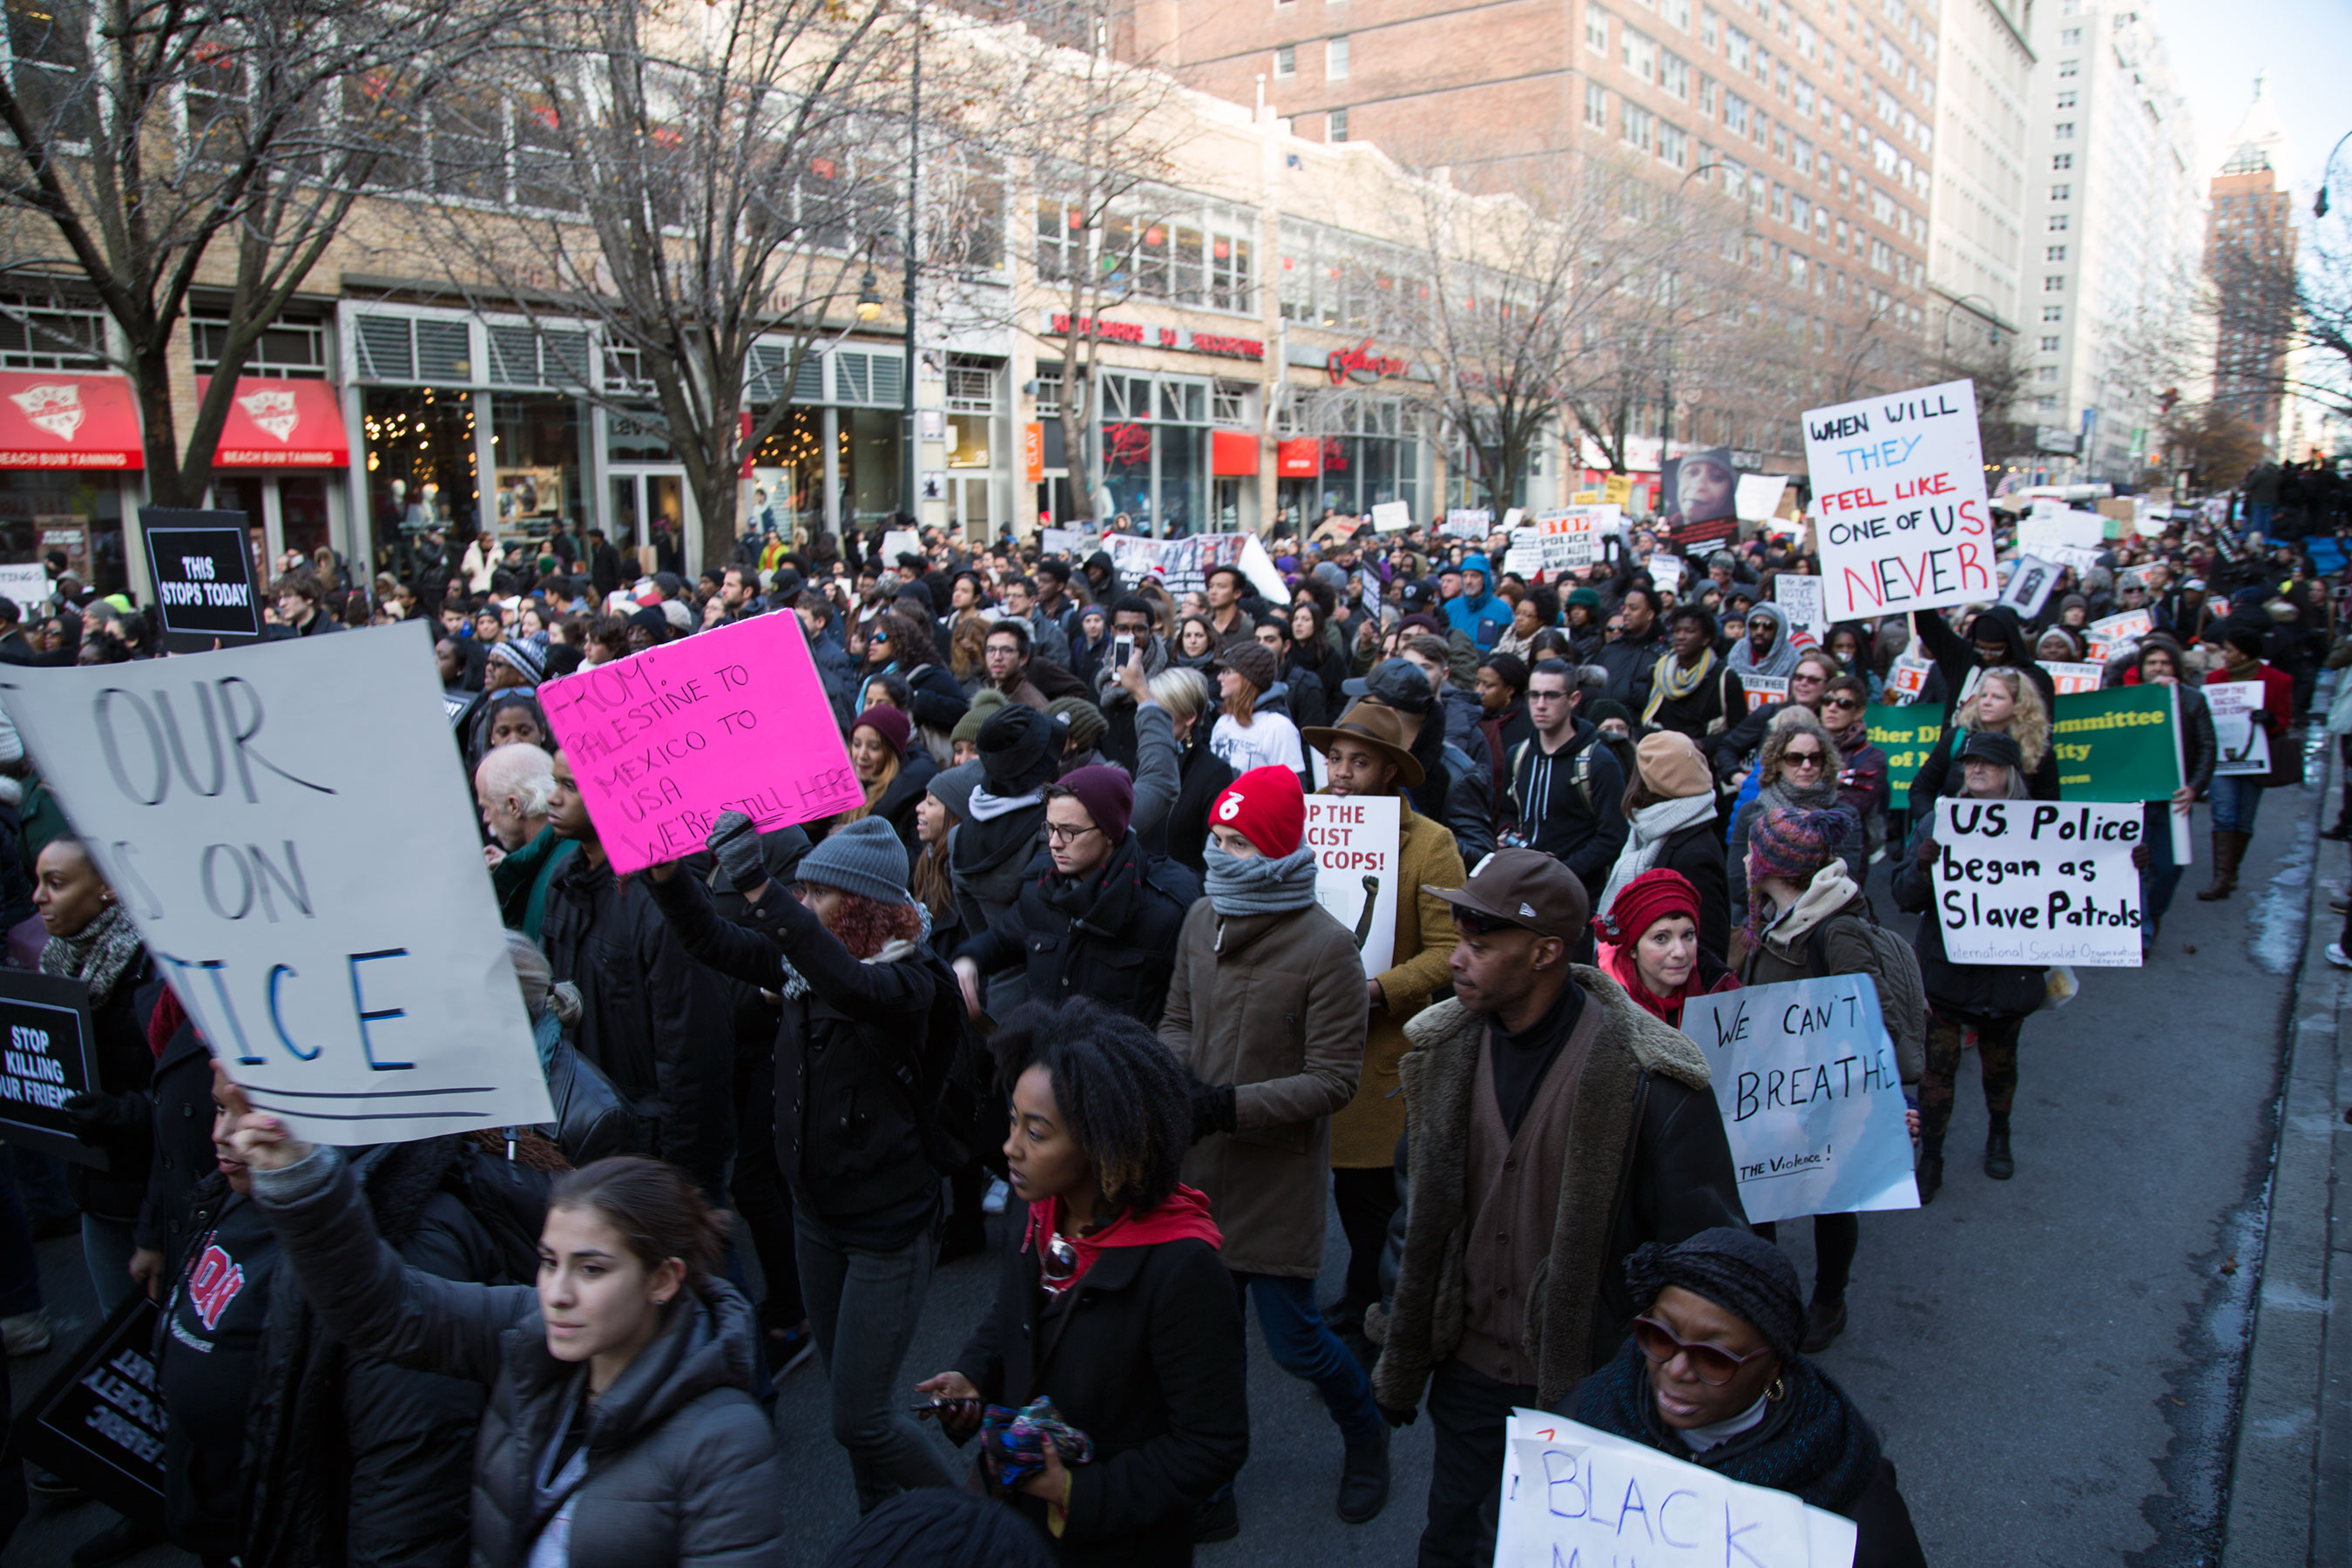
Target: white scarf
column 1652, row 827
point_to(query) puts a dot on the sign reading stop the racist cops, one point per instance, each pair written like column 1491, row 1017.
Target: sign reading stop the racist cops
column 2028, row 882
column 1899, row 484
column 1355, row 840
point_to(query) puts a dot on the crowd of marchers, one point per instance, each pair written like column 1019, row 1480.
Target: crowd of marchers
column 1060, row 989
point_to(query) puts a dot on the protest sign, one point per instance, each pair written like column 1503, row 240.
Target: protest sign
column 1804, row 1074
column 2110, row 635
column 1355, row 839
column 202, row 572
column 2244, row 746
column 1758, row 497
column 1182, row 565
column 99, row 1422
column 1906, row 734
column 1391, row 517
column 2035, row 882
column 2072, row 529
column 2077, row 558
column 49, row 1057
column 1899, row 484
column 1074, row 542
column 26, row 585
column 1512, row 515
column 1525, row 555
column 1573, row 1494
column 1258, row 567
column 898, row 542
column 731, row 719
column 1800, row 596
column 243, row 821
column 2118, row 745
column 2071, row 679
column 1698, row 492
column 1665, row 571
column 1464, row 522
column 1764, row 689
column 1906, row 677
column 2030, row 582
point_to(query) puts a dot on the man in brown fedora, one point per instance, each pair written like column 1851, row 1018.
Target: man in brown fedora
column 1369, row 753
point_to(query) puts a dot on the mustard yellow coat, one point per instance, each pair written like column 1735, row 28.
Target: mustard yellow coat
column 1364, row 1134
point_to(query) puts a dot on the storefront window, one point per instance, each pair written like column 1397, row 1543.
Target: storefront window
column 421, row 467
column 790, row 465
column 535, row 440
column 1155, row 452
column 872, row 471
column 626, row 441
column 52, row 512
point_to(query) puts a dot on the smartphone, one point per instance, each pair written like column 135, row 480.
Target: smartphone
column 1122, row 649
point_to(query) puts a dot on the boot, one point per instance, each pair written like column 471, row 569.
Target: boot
column 2229, row 849
column 1824, row 1321
column 1997, row 1164
column 2343, row 828
column 1364, row 1480
column 1931, row 1168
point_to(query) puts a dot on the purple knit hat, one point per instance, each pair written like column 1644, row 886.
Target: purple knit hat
column 1794, row 843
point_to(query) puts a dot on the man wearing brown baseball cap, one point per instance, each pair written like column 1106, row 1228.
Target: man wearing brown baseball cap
column 1552, row 1126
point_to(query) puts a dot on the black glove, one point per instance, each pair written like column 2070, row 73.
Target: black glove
column 735, row 843
column 96, row 1114
column 1399, row 1417
column 1213, row 1109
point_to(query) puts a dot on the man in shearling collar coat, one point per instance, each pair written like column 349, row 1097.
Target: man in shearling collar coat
column 1553, row 1126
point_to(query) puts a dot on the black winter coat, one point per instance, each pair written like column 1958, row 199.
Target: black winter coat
column 181, row 1099
column 1149, row 1360
column 1629, row 664
column 126, row 1070
column 1202, row 776
column 849, row 1053
column 898, row 804
column 1975, row 990
column 1113, row 939
column 652, row 1018
column 1697, row 853
column 682, row 1466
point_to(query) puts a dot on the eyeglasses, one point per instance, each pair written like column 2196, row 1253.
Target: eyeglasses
column 1057, row 834
column 1840, row 702
column 1470, row 923
column 1801, row 759
column 1711, row 1364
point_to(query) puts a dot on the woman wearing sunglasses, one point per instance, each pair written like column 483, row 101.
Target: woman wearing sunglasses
column 1712, row 1375
column 1798, row 769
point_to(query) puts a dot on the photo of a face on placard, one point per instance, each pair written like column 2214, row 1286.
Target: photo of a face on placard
column 1700, row 489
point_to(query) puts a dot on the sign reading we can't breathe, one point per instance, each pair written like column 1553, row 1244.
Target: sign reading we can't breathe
column 202, row 567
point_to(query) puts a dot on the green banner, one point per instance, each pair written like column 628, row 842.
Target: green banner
column 2112, row 745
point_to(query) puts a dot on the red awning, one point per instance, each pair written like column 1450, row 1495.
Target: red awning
column 1299, row 459
column 275, row 424
column 52, row 420
column 1233, row 454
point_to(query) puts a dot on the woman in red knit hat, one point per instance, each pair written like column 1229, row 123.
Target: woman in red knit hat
column 1651, row 945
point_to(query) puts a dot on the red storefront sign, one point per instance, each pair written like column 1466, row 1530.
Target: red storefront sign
column 1360, row 363
column 1299, row 459
column 1233, row 454
column 52, row 420
column 274, row 424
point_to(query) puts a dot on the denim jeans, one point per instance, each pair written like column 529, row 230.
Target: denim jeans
column 1466, row 1410
column 2236, row 799
column 862, row 1307
column 20, row 1268
column 1304, row 1346
column 2162, row 878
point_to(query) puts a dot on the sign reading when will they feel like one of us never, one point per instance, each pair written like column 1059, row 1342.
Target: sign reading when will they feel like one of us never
column 244, row 824
column 1898, row 482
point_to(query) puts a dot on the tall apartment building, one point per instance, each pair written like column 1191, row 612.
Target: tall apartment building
column 2249, row 246
column 1820, row 115
column 2111, row 239
column 1976, row 221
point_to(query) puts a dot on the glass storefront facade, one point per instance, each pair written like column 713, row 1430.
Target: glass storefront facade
column 1155, row 436
column 540, row 475
column 422, row 468
column 77, row 514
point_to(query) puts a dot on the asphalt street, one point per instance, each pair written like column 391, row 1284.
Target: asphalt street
column 2053, row 1361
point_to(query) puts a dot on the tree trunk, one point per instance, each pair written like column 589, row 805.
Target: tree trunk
column 168, row 482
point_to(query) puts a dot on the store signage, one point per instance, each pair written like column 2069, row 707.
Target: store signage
column 1178, row 337
column 1360, row 363
column 52, row 421
column 1301, row 458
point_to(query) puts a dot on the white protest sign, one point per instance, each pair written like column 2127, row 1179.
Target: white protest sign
column 2076, row 530
column 2079, row 557
column 1258, row 567
column 1801, row 597
column 1899, row 484
column 24, row 584
column 1812, row 1102
column 1764, row 689
column 1467, row 522
column 2032, row 881
column 1512, row 517
column 1355, row 839
column 1390, row 517
column 1665, row 571
column 2244, row 746
column 2030, row 582
column 244, row 823
column 1074, row 542
column 1525, row 555
column 2072, row 678
column 898, row 542
column 1907, row 679
column 1573, row 1494
column 1757, row 497
column 2110, row 632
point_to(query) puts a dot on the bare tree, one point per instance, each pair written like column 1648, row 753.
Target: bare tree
column 2213, row 443
column 158, row 149
column 2285, row 321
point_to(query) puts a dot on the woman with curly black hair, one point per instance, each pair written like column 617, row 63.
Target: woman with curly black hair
column 1114, row 1305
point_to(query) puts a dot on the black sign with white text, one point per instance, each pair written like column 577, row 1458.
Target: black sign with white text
column 205, row 586
column 100, row 1422
column 46, row 1055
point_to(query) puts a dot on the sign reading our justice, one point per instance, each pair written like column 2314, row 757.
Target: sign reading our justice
column 1899, row 486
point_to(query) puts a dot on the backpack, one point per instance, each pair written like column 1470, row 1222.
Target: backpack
column 1580, row 772
column 1895, row 969
column 964, row 1107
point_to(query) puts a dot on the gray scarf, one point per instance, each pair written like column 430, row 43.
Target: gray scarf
column 1261, row 885
column 97, row 956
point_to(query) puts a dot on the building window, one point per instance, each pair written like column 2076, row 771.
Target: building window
column 2055, row 284
column 2064, row 131
column 1335, row 60
column 2062, row 192
column 1641, row 54
column 2068, row 69
column 1335, row 126
column 2050, row 345
column 2057, row 223
column 1673, row 76
column 1596, row 30
column 1673, row 147
column 1678, row 11
column 1285, row 61
column 2070, row 37
column 2062, row 162
column 51, row 337
column 1596, row 107
column 1639, row 128
column 1229, row 403
column 2065, row 101
column 2053, row 313
column 2047, row 374
column 2054, row 253
column 294, row 350
column 1061, row 238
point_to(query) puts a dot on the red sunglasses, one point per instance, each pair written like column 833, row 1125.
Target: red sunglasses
column 1712, row 1364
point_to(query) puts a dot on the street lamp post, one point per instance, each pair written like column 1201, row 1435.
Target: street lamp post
column 2319, row 204
column 1666, row 357
column 870, row 300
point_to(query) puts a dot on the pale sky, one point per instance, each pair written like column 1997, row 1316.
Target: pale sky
column 2217, row 47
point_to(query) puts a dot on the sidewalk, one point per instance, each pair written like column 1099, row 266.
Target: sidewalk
column 2290, row 1477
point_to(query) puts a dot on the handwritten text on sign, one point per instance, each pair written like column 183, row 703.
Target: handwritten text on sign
column 1355, row 839
column 2024, row 881
column 1899, row 484
column 1811, row 1095
column 243, row 822
column 732, row 719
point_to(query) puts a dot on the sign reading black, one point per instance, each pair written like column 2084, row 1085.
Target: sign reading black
column 100, row 1422
column 205, row 586
column 46, row 1054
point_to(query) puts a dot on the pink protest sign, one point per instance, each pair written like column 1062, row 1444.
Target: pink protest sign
column 732, row 719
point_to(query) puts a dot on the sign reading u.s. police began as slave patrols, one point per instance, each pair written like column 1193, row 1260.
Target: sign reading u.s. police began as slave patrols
column 48, row 1057
column 1811, row 1095
column 733, row 720
column 244, row 805
column 1899, row 484
column 2032, row 881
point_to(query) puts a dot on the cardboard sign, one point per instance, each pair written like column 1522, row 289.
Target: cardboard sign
column 243, row 805
column 1804, row 1074
column 1764, row 689
column 205, row 588
column 2244, row 745
column 2118, row 745
column 2037, row 882
column 1758, row 496
column 2030, row 583
column 1463, row 522
column 2070, row 530
column 1573, row 1494
column 26, row 585
column 1355, row 839
column 100, row 1422
column 2073, row 679
column 1074, row 542
column 46, row 1055
column 730, row 720
column 1391, row 517
column 1801, row 597
column 1906, row 734
column 1899, row 483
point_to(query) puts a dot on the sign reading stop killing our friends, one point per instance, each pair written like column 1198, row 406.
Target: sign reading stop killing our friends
column 1812, row 1102
column 733, row 720
column 2038, row 883
column 1355, row 839
column 1899, row 484
column 244, row 824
